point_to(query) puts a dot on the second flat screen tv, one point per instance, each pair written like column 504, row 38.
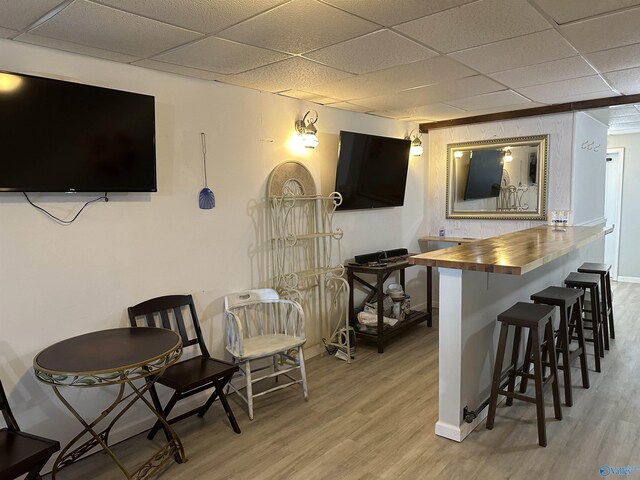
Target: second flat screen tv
column 372, row 171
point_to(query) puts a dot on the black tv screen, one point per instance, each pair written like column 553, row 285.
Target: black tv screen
column 58, row 136
column 485, row 174
column 372, row 171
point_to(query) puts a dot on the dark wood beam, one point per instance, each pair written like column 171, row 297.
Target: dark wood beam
column 533, row 112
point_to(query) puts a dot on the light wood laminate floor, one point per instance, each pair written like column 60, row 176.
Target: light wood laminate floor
column 375, row 419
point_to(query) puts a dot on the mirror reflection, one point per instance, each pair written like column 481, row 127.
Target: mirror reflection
column 503, row 178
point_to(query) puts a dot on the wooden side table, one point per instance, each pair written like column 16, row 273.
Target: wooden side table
column 382, row 272
column 106, row 358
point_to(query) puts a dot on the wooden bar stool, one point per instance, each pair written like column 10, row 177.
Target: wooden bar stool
column 602, row 269
column 589, row 282
column 569, row 300
column 536, row 318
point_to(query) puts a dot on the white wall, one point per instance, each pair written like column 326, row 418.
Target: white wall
column 629, row 261
column 559, row 127
column 589, row 172
column 60, row 281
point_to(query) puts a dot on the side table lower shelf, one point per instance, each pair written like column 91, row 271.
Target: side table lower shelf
column 413, row 318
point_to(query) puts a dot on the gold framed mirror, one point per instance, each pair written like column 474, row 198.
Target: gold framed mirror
column 502, row 178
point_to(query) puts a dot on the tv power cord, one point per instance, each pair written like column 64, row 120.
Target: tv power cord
column 66, row 222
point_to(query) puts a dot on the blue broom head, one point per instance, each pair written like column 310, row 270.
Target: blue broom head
column 207, row 199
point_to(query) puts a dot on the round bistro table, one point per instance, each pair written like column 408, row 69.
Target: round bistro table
column 107, row 358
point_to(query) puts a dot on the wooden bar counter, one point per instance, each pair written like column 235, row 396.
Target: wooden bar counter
column 479, row 280
column 513, row 253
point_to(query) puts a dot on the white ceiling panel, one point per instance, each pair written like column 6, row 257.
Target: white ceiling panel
column 323, row 100
column 6, row 32
column 616, row 58
column 608, row 31
column 580, row 97
column 626, row 128
column 389, row 12
column 430, row 113
column 625, row 119
column 489, row 100
column 517, row 52
column 374, row 51
column 426, row 72
column 299, row 26
column 221, row 56
column 19, row 14
column 475, row 24
column 563, row 11
column 626, row 82
column 572, row 67
column 292, row 74
column 179, row 70
column 299, row 94
column 438, row 93
column 75, row 48
column 574, row 86
column 103, row 27
column 387, row 114
column 622, row 111
column 349, row 106
column 206, row 16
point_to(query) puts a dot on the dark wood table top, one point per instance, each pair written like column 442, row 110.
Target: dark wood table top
column 108, row 351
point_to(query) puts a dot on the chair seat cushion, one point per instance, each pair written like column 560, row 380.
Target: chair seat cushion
column 20, row 451
column 266, row 345
column 195, row 372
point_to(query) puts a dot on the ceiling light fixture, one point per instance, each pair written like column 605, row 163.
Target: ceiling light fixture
column 416, row 144
column 307, row 130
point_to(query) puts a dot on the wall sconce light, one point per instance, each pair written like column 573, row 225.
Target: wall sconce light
column 416, row 144
column 508, row 157
column 8, row 82
column 307, row 130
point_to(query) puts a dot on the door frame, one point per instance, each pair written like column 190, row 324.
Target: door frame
column 617, row 220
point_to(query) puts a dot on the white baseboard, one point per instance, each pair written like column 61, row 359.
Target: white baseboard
column 628, row 279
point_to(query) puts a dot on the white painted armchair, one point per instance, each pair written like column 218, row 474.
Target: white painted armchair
column 261, row 325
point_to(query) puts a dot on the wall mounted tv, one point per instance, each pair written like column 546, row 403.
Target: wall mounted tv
column 485, row 174
column 60, row 136
column 372, row 171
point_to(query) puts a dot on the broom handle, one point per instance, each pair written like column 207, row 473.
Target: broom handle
column 203, row 138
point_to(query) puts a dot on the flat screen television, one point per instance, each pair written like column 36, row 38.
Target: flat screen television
column 485, row 174
column 372, row 171
column 58, row 136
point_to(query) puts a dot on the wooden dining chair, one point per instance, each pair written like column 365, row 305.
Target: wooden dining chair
column 187, row 377
column 21, row 452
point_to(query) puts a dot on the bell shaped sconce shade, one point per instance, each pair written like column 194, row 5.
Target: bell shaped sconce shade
column 306, row 129
column 416, row 143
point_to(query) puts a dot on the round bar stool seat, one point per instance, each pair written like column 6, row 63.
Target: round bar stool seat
column 569, row 300
column 589, row 282
column 603, row 269
column 537, row 318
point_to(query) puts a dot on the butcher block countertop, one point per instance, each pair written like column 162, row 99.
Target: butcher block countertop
column 513, row 253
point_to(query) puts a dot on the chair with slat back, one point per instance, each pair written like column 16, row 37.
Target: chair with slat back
column 21, row 452
column 261, row 325
column 190, row 376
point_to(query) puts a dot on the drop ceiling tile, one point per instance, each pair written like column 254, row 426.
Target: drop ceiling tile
column 616, row 58
column 563, row 11
column 7, row 33
column 580, row 97
column 374, row 51
column 489, row 100
column 627, row 128
column 103, row 27
column 547, row 72
column 19, row 14
column 323, row 100
column 626, row 82
column 432, row 112
column 622, row 111
column 389, row 13
column 607, row 31
column 299, row 26
column 623, row 120
column 425, row 72
column 387, row 114
column 527, row 50
column 75, row 48
column 600, row 114
column 293, row 74
column 475, row 24
column 437, row 93
column 206, row 16
column 349, row 106
column 574, row 86
column 297, row 94
column 221, row 56
column 179, row 70
column 505, row 108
